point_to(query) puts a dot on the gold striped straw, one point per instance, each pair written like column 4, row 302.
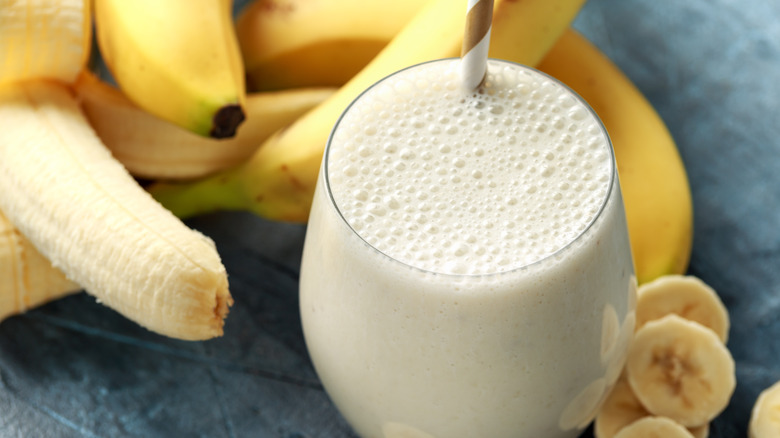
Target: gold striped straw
column 476, row 40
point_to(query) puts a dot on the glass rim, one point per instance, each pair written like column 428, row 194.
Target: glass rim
column 562, row 249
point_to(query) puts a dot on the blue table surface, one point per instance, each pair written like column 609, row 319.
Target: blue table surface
column 711, row 68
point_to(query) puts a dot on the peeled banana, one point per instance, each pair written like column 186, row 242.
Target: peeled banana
column 84, row 212
column 176, row 59
column 152, row 148
column 28, row 28
column 27, row 278
column 304, row 43
column 681, row 370
column 278, row 181
column 655, row 186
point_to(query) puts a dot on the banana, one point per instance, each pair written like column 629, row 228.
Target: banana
column 152, row 148
column 27, row 27
column 654, row 427
column 176, row 59
column 681, row 370
column 702, row 431
column 84, row 212
column 686, row 296
column 652, row 176
column 620, row 409
column 297, row 43
column 28, row 278
column 278, row 180
column 764, row 421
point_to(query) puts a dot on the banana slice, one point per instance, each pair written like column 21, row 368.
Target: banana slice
column 764, row 420
column 654, row 427
column 702, row 431
column 620, row 409
column 681, row 370
column 686, row 296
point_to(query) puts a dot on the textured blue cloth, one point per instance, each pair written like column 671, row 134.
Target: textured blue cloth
column 710, row 67
column 712, row 70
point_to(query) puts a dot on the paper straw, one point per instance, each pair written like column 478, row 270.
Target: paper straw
column 476, row 40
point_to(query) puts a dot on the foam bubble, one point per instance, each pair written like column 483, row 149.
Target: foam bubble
column 469, row 183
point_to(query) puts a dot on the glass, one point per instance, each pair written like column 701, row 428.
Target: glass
column 405, row 351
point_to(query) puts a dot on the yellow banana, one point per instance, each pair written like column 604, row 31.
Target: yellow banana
column 176, row 59
column 84, row 212
column 303, row 43
column 27, row 278
column 155, row 149
column 26, row 27
column 278, row 181
column 652, row 175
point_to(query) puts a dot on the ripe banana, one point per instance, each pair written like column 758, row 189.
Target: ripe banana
column 620, row 409
column 176, row 59
column 278, row 181
column 296, row 43
column 764, row 421
column 84, row 212
column 27, row 27
column 155, row 149
column 27, row 278
column 686, row 296
column 702, row 431
column 652, row 176
column 681, row 370
column 654, row 427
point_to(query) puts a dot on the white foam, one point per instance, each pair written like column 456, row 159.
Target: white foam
column 469, row 183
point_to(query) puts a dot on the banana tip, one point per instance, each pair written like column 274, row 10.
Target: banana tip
column 226, row 121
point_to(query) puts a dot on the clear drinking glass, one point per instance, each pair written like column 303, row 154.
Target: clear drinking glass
column 438, row 349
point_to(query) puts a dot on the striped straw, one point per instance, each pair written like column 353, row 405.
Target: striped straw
column 476, row 40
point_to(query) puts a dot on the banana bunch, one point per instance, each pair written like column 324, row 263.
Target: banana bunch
column 278, row 180
column 678, row 375
column 79, row 217
column 181, row 116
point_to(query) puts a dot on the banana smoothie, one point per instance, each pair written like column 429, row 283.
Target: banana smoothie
column 467, row 269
